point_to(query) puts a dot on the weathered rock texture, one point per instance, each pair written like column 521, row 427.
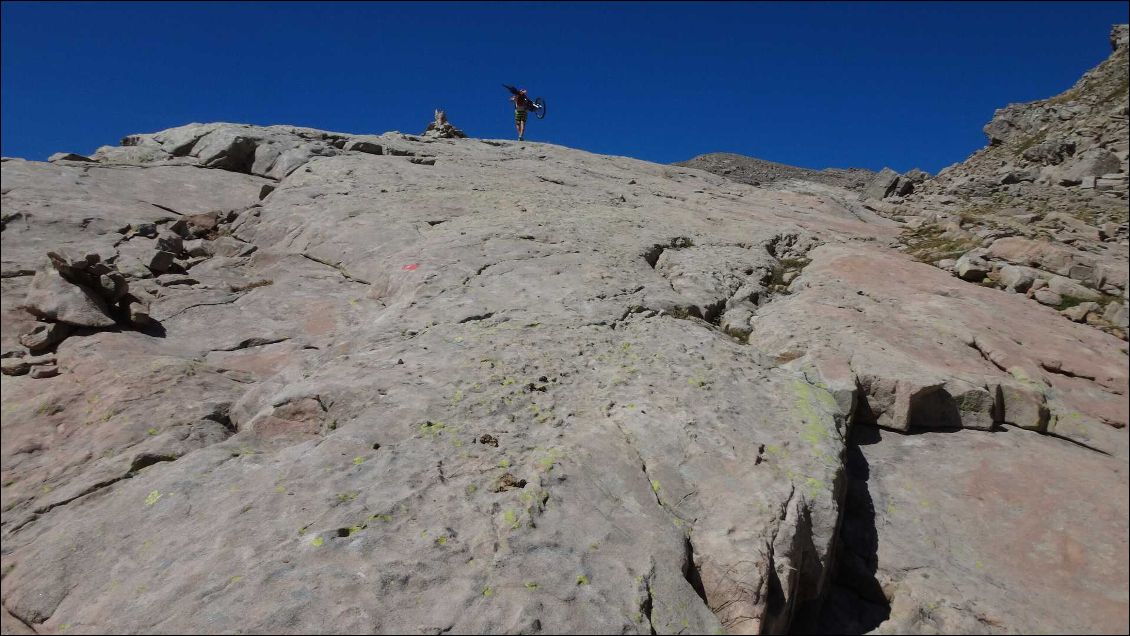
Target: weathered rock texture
column 384, row 383
column 1048, row 195
column 919, row 558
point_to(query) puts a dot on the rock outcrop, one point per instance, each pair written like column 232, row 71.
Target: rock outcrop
column 275, row 379
column 440, row 128
column 1049, row 194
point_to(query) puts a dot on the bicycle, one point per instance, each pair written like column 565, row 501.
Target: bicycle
column 538, row 103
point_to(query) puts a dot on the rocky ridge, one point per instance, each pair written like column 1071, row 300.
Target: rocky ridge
column 760, row 172
column 429, row 384
column 1041, row 210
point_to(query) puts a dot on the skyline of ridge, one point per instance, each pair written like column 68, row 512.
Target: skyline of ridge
column 813, row 85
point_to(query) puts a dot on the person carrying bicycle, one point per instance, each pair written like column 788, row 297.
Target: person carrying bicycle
column 522, row 105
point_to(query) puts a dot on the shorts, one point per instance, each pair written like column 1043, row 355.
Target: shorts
column 519, row 116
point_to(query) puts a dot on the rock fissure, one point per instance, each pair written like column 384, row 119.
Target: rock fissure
column 476, row 317
column 980, row 349
column 163, row 207
column 1059, row 370
column 648, row 603
column 855, row 602
column 337, row 266
column 195, row 305
column 691, row 571
column 1079, row 443
column 89, row 491
column 29, row 625
column 249, row 343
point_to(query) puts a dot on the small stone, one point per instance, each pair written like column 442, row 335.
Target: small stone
column 146, row 229
column 1016, row 278
column 202, row 224
column 228, row 246
column 45, row 335
column 68, row 156
column 45, row 371
column 198, row 247
column 972, row 269
column 507, row 482
column 365, row 146
column 180, row 227
column 139, row 312
column 1048, row 297
column 14, row 366
column 113, row 286
column 1066, row 287
column 1079, row 312
column 170, row 241
column 161, row 261
column 1117, row 315
column 47, row 358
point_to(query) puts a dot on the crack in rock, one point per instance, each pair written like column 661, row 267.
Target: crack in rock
column 22, row 620
column 248, row 343
column 338, row 267
column 476, row 317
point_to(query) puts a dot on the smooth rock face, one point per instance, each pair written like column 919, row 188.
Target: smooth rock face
column 516, row 388
column 947, row 339
column 950, row 561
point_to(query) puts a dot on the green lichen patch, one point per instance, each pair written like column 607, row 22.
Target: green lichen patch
column 431, row 430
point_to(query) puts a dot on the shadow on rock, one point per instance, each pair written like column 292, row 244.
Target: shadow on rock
column 855, row 602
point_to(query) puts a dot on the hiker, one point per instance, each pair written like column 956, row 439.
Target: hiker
column 522, row 104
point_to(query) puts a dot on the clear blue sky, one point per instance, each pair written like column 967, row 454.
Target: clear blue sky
column 809, row 84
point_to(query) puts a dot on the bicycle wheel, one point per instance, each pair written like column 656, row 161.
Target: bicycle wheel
column 539, row 108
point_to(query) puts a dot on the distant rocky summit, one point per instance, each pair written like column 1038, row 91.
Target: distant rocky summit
column 283, row 380
column 1041, row 210
column 760, row 172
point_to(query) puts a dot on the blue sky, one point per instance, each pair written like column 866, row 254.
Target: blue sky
column 810, row 84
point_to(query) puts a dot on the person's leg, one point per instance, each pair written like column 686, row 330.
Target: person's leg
column 522, row 129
